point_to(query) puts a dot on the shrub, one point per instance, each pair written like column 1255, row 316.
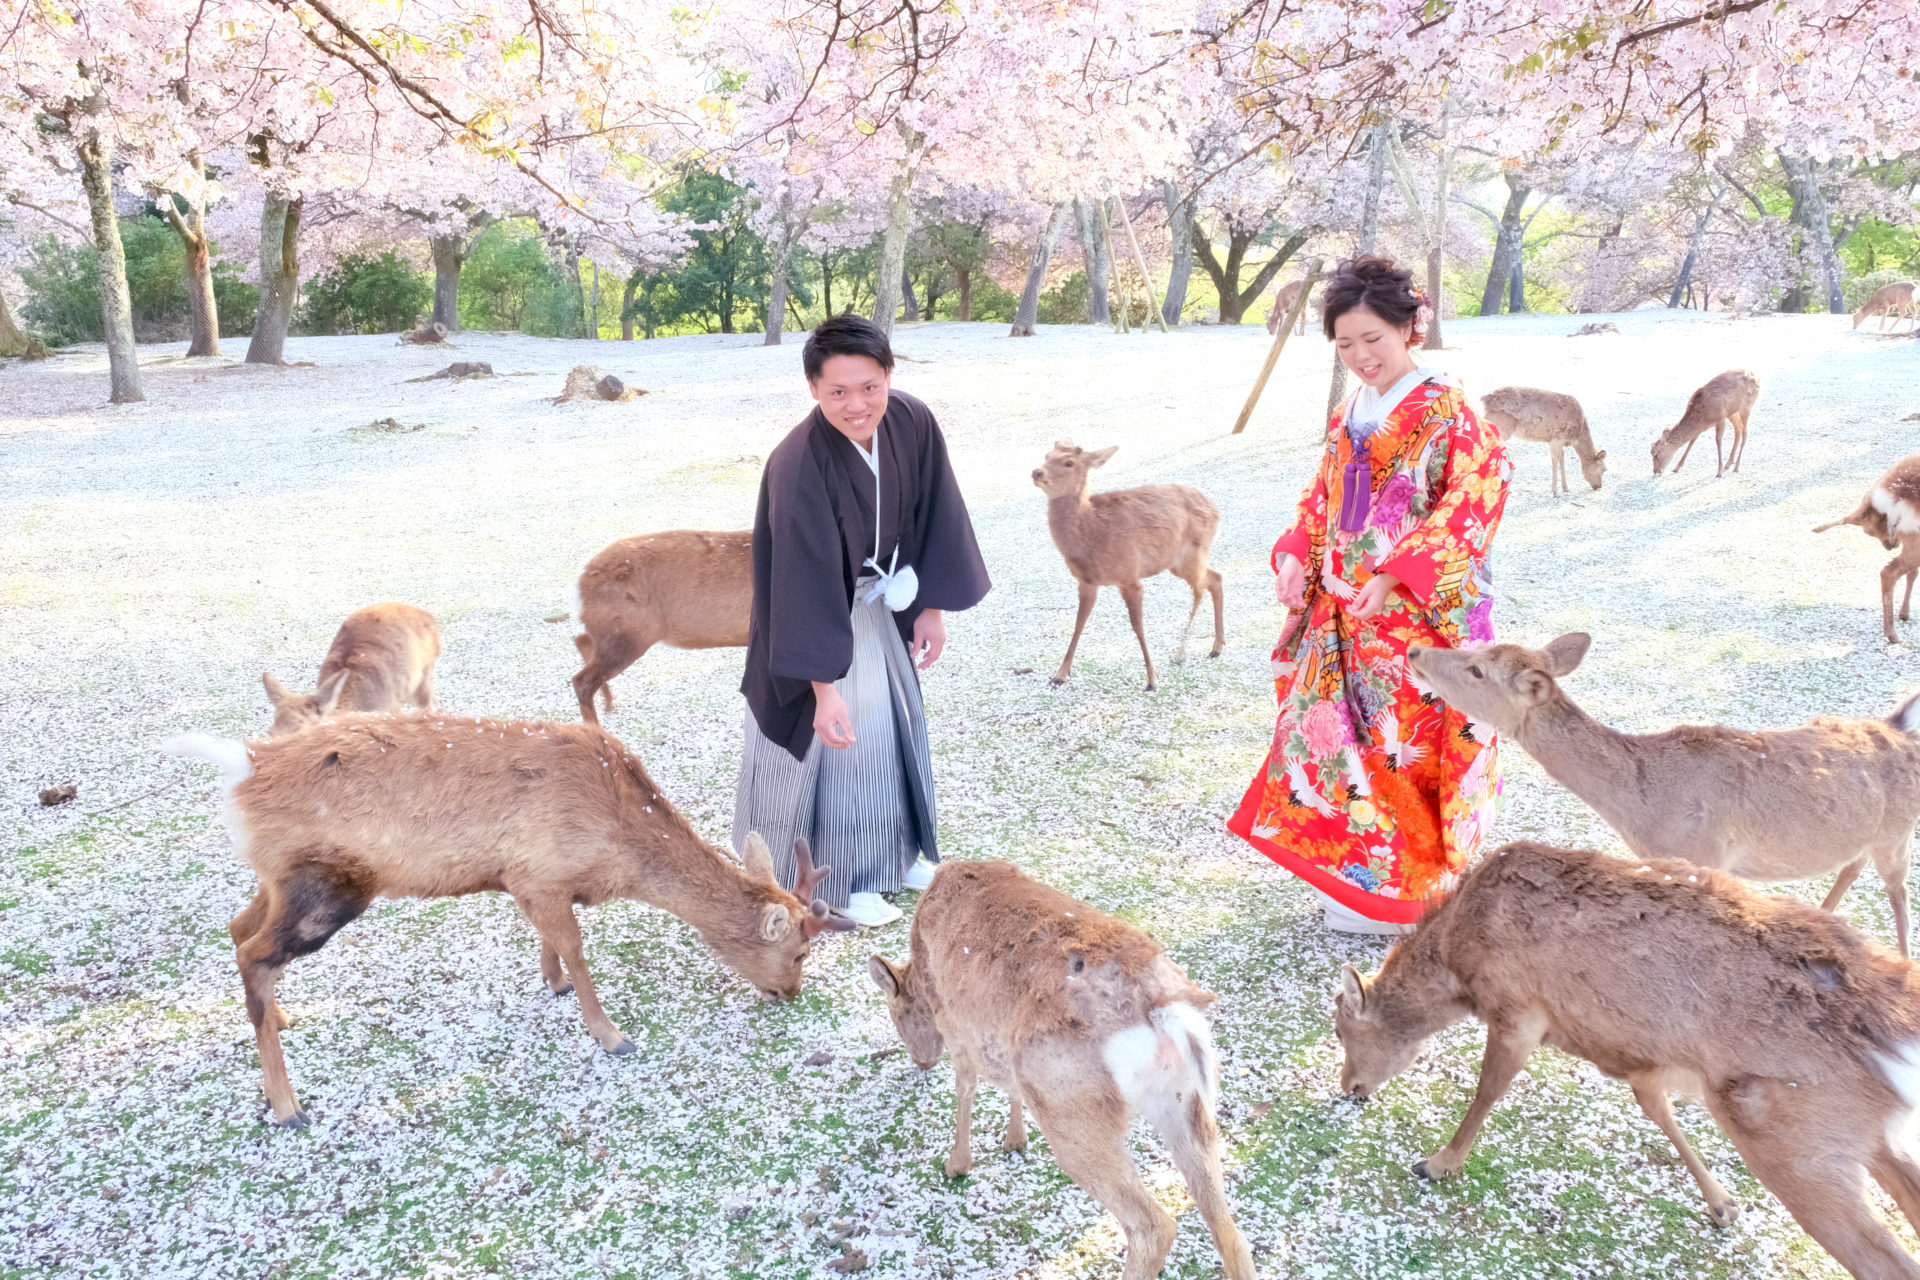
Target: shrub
column 63, row 283
column 366, row 295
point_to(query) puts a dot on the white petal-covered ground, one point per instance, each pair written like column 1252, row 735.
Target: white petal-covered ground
column 156, row 558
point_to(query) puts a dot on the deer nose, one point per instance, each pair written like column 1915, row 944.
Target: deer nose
column 1036, row 475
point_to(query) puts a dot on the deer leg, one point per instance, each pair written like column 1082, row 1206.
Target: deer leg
column 1893, row 866
column 561, row 932
column 1901, row 566
column 1825, row 1191
column 1015, row 1138
column 966, row 1078
column 1906, row 602
column 1089, row 1139
column 1509, row 1045
column 1683, row 454
column 1719, row 462
column 1650, row 1091
column 610, row 656
column 244, row 926
column 1842, row 882
column 423, row 693
column 1193, row 584
column 1217, row 589
column 1088, row 593
column 1185, row 1123
column 1558, row 469
column 1131, row 594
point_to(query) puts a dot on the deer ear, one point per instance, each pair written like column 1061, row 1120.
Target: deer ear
column 1564, row 654
column 758, row 859
column 1353, row 989
column 1534, row 686
column 1099, row 459
column 276, row 692
column 775, row 922
column 1600, row 456
column 884, row 975
column 328, row 695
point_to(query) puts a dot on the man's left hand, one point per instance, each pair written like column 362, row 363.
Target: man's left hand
column 929, row 638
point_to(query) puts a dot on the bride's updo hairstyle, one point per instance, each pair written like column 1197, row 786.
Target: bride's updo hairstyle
column 1379, row 284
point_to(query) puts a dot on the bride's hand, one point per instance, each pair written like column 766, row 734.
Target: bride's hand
column 1290, row 582
column 1373, row 597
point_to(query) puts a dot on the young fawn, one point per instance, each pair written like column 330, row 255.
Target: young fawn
column 1552, row 419
column 1802, row 1038
column 684, row 588
column 1084, row 1021
column 413, row 806
column 1779, row 804
column 1725, row 398
column 1115, row 539
column 1891, row 513
column 381, row 659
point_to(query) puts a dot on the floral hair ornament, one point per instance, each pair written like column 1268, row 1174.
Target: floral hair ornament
column 1422, row 317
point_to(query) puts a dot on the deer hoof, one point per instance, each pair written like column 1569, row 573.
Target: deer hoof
column 1424, row 1169
column 1056, row 681
column 1724, row 1215
column 1215, row 653
column 626, row 1048
column 957, row 1168
column 1012, row 1143
column 563, row 991
column 1152, row 687
column 298, row 1120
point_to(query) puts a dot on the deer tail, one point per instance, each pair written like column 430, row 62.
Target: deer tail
column 229, row 755
column 1187, row 1027
column 1907, row 718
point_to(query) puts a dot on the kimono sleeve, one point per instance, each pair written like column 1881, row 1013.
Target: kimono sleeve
column 952, row 574
column 1312, row 515
column 809, row 627
column 1442, row 561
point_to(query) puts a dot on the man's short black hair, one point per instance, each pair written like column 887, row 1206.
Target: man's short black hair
column 845, row 335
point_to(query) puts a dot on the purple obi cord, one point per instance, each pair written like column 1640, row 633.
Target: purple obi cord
column 1356, row 490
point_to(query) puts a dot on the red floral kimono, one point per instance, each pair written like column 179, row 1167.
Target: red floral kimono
column 1375, row 791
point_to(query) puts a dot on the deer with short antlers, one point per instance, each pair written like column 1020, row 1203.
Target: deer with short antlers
column 1891, row 513
column 1118, row 537
column 1085, row 1022
column 381, row 659
column 417, row 806
column 1802, row 1038
column 1780, row 804
column 1724, row 398
column 684, row 588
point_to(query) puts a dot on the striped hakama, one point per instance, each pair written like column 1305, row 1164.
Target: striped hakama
column 867, row 809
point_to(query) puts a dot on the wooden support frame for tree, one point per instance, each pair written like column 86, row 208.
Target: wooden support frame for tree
column 1140, row 260
column 1279, row 341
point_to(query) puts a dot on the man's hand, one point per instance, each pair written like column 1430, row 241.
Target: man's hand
column 1290, row 584
column 1373, row 597
column 831, row 720
column 929, row 638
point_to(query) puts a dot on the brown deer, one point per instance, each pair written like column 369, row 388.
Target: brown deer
column 1283, row 299
column 1891, row 513
column 414, row 806
column 1888, row 301
column 686, row 588
column 380, row 660
column 1084, row 1021
column 1552, row 419
column 1780, row 804
column 1726, row 397
column 1115, row 539
column 1802, row 1038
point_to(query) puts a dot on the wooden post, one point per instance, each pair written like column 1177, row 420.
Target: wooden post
column 1140, row 260
column 1279, row 341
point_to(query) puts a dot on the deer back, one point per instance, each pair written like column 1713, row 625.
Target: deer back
column 1531, row 413
column 1123, row 535
column 689, row 588
column 385, row 651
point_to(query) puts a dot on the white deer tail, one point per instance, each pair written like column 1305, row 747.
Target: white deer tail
column 1907, row 718
column 229, row 755
column 1168, row 1057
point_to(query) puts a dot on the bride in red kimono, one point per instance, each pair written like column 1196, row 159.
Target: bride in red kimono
column 1375, row 792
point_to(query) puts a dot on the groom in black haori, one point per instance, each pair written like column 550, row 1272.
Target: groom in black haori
column 861, row 545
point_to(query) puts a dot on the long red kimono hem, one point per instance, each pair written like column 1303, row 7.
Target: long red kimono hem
column 1341, row 890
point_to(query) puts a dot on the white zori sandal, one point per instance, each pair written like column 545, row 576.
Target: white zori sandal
column 871, row 909
column 919, row 877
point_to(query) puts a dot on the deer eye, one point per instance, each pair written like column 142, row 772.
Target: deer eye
column 1473, row 669
column 1068, row 464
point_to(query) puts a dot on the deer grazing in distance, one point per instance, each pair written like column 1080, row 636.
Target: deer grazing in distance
column 1283, row 299
column 1891, row 513
column 381, row 659
column 1889, row 301
column 413, row 806
column 1552, row 419
column 1085, row 1022
column 685, row 588
column 1121, row 536
column 1802, row 1038
column 1726, row 397
column 1778, row 804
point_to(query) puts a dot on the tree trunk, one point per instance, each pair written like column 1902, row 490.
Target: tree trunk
column 1810, row 215
column 1693, row 248
column 906, row 296
column 964, row 276
column 1094, row 253
column 626, row 305
column 116, row 307
column 826, row 280
column 1517, row 286
column 777, row 292
column 1369, row 229
column 279, row 278
column 13, row 340
column 893, row 252
column 1029, row 313
column 449, row 256
column 192, row 230
column 1506, row 246
column 1437, row 255
column 1179, row 227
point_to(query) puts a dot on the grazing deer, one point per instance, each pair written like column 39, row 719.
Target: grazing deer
column 1802, row 1038
column 381, row 659
column 1552, row 419
column 556, row 815
column 1889, row 300
column 1084, row 1021
column 1726, row 397
column 1780, row 804
column 1891, row 513
column 685, row 588
column 1283, row 299
column 1115, row 539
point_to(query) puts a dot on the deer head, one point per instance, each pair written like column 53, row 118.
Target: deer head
column 1064, row 473
column 293, row 712
column 1376, row 1050
column 912, row 1011
column 770, row 955
column 1594, row 468
column 1870, row 518
column 1498, row 684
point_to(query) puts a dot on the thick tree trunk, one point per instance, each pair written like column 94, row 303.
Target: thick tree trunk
column 191, row 227
column 116, row 306
column 1517, row 286
column 1680, row 286
column 1506, row 247
column 893, row 252
column 626, row 305
column 906, row 296
column 1029, row 313
column 13, row 339
column 279, row 279
column 1094, row 254
column 964, row 276
column 1179, row 227
column 1816, row 231
column 777, row 293
column 826, row 281
column 1436, row 256
column 449, row 256
column 1369, row 229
